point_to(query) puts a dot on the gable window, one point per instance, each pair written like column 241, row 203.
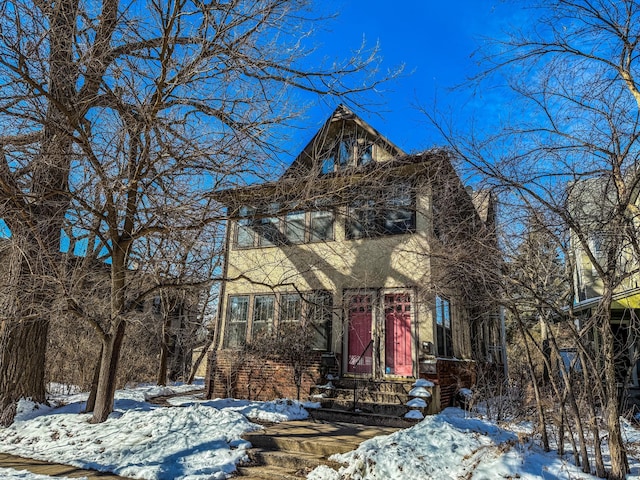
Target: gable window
column 321, row 226
column 349, row 151
column 263, row 311
column 294, row 227
column 238, row 314
column 328, row 164
column 443, row 327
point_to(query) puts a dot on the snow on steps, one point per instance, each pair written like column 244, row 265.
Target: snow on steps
column 290, row 450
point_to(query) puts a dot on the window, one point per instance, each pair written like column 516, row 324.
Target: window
column 255, row 315
column 399, row 216
column 362, row 220
column 245, row 233
column 365, row 154
column 263, row 310
column 237, row 321
column 393, row 215
column 328, row 164
column 269, row 228
column 294, row 227
column 321, row 226
column 318, row 317
column 290, row 308
column 288, row 229
column 350, row 151
column 443, row 327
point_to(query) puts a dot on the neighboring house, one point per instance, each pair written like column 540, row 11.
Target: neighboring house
column 357, row 241
column 592, row 204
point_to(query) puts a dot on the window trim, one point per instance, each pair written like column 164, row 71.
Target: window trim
column 373, row 216
column 229, row 322
column 280, row 228
column 305, row 306
column 444, row 327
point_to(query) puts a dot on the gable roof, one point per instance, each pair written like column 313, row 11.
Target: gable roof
column 341, row 120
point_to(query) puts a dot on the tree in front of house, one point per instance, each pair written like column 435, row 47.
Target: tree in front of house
column 125, row 121
column 571, row 152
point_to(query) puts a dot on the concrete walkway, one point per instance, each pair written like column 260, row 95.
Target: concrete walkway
column 52, row 469
column 289, row 450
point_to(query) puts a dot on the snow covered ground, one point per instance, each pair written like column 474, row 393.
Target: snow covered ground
column 202, row 440
column 452, row 446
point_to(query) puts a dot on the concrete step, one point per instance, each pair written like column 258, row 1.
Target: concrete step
column 360, row 394
column 295, row 461
column 382, row 386
column 268, row 473
column 361, row 418
column 313, row 446
column 378, row 408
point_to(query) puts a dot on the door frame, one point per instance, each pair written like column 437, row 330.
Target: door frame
column 413, row 331
column 347, row 294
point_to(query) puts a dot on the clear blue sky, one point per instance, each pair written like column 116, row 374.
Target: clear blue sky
column 435, row 40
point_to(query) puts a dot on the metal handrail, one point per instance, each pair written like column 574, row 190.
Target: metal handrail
column 355, row 380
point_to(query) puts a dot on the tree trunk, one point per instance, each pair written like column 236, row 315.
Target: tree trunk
column 108, row 369
column 619, row 463
column 24, row 321
column 542, row 422
column 164, row 351
column 21, row 364
column 93, row 393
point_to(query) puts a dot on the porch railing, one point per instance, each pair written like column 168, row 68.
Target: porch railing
column 355, row 380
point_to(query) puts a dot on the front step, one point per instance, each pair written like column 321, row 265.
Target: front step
column 283, row 459
column 361, row 418
column 268, row 473
column 366, row 407
column 365, row 400
column 362, row 395
column 291, row 444
column 289, row 450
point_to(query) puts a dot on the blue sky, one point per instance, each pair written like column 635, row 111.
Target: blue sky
column 435, row 40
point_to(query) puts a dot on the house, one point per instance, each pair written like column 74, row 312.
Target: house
column 349, row 267
column 593, row 204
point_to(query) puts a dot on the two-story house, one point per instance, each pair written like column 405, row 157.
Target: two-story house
column 356, row 244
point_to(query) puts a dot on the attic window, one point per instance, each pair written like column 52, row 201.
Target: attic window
column 350, row 151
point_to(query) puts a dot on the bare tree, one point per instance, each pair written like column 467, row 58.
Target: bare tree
column 99, row 104
column 572, row 152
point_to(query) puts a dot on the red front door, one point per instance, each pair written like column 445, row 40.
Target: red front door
column 360, row 354
column 397, row 346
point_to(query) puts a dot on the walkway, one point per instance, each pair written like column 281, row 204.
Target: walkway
column 52, row 469
column 289, row 450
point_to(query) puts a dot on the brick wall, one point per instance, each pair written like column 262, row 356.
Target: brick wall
column 239, row 375
column 450, row 376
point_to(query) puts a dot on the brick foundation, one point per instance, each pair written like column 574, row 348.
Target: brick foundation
column 450, row 376
column 239, row 375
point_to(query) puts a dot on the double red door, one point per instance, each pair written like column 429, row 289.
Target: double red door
column 397, row 341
